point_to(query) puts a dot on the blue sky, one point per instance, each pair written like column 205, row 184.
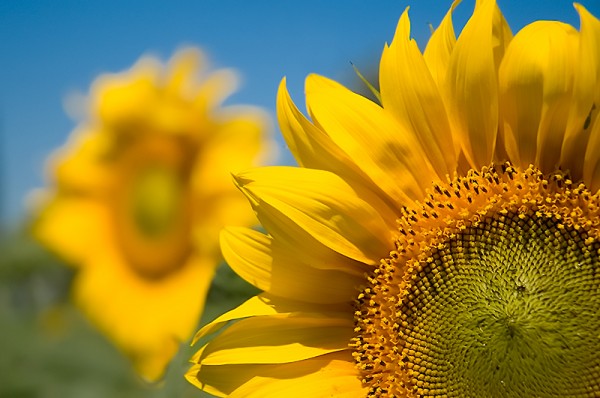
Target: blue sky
column 49, row 49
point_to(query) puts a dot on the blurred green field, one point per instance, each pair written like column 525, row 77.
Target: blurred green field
column 49, row 349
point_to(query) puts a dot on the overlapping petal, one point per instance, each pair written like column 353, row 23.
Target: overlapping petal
column 471, row 84
column 536, row 86
column 586, row 99
column 266, row 304
column 591, row 172
column 314, row 149
column 289, row 338
column 266, row 264
column 409, row 91
column 324, row 376
column 440, row 46
column 377, row 143
column 303, row 205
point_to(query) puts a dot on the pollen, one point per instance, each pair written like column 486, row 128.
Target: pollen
column 493, row 291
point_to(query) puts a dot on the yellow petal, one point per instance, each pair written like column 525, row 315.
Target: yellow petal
column 334, row 374
column 279, row 338
column 303, row 206
column 254, row 306
column 263, row 305
column 215, row 88
column 127, row 97
column 316, row 378
column 73, row 227
column 183, row 69
column 239, row 142
column 535, row 80
column 471, row 86
column 409, row 91
column 439, row 47
column 137, row 314
column 501, row 35
column 322, row 257
column 386, row 152
column 313, row 149
column 270, row 267
column 219, row 381
column 226, row 208
column 586, row 95
column 83, row 164
column 591, row 172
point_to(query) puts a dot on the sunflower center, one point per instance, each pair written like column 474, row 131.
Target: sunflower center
column 507, row 308
column 503, row 300
column 155, row 196
column 152, row 206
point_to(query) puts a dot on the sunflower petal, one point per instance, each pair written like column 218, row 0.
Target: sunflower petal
column 262, row 262
column 586, row 95
column 471, row 83
column 126, row 96
column 535, row 80
column 240, row 144
column 62, row 228
column 410, row 92
column 388, row 154
column 182, row 70
column 81, row 165
column 591, row 172
column 304, row 204
column 121, row 304
column 254, row 306
column 217, row 87
column 439, row 47
column 224, row 380
column 334, row 375
column 264, row 305
column 314, row 149
column 308, row 142
column 278, row 338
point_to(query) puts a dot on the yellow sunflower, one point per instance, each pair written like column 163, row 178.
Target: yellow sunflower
column 140, row 192
column 445, row 243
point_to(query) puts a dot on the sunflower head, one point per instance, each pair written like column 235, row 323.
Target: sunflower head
column 139, row 193
column 442, row 243
column 493, row 292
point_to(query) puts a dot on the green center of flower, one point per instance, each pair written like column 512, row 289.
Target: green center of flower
column 153, row 212
column 493, row 291
column 155, row 197
column 510, row 308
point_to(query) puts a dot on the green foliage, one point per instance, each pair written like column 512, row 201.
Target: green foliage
column 49, row 349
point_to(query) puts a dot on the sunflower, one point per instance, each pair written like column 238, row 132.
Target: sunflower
column 445, row 243
column 139, row 194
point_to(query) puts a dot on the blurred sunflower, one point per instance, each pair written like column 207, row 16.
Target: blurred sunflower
column 140, row 192
column 445, row 243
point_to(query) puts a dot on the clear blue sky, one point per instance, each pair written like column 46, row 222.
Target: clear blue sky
column 49, row 49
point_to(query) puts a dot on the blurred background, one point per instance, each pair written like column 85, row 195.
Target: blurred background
column 50, row 52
